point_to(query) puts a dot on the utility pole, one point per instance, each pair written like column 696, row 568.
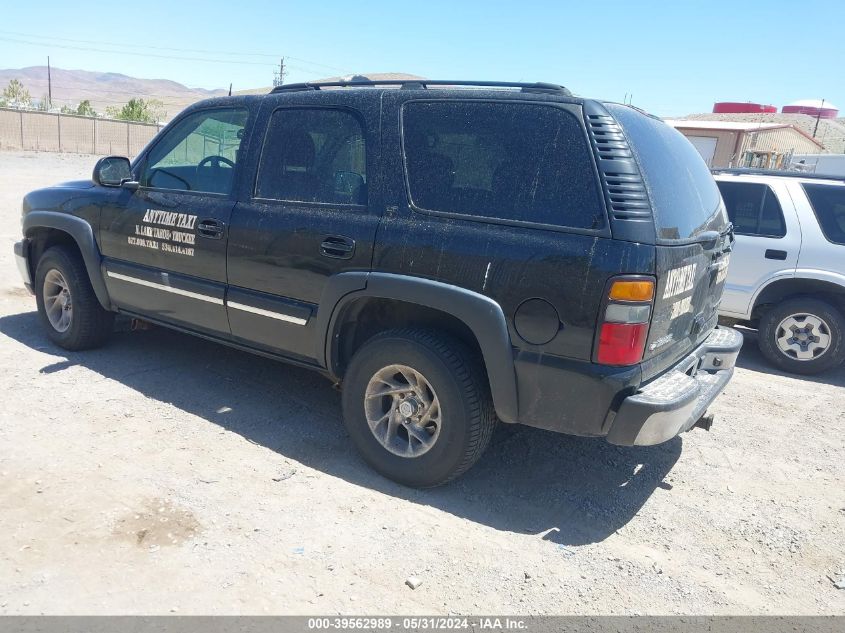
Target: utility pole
column 279, row 75
column 49, row 86
column 818, row 116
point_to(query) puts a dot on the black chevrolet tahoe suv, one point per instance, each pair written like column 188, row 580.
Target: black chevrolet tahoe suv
column 452, row 253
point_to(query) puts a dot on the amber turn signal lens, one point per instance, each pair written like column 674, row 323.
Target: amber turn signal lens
column 632, row 290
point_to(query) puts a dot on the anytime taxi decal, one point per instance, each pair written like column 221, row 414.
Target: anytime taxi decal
column 165, row 231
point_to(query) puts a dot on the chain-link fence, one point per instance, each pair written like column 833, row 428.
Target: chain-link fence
column 45, row 131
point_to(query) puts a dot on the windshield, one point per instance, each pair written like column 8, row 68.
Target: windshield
column 684, row 197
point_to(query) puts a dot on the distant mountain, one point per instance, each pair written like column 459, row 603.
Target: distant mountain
column 105, row 89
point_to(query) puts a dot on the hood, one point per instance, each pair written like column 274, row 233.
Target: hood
column 58, row 197
column 74, row 184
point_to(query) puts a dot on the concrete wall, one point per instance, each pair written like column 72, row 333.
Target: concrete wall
column 49, row 132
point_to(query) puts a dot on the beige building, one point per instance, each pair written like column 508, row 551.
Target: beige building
column 746, row 144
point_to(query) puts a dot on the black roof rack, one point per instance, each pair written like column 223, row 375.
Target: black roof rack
column 424, row 83
column 749, row 171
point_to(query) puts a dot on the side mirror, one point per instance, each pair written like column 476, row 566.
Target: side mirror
column 350, row 188
column 113, row 171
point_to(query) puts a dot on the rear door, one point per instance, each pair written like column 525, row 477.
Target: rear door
column 768, row 238
column 692, row 237
column 309, row 213
column 165, row 244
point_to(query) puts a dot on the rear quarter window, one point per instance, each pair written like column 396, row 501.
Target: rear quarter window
column 683, row 194
column 522, row 163
column 828, row 203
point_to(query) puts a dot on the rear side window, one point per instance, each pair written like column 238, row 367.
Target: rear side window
column 504, row 161
column 313, row 155
column 753, row 208
column 683, row 194
column 829, row 205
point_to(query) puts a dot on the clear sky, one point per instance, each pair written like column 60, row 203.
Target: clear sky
column 675, row 58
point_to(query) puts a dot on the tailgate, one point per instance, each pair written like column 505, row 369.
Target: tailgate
column 690, row 282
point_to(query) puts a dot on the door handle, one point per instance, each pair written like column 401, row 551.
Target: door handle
column 212, row 229
column 775, row 254
column 337, row 247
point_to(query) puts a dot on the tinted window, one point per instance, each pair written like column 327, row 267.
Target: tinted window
column 500, row 160
column 753, row 208
column 829, row 204
column 683, row 194
column 198, row 154
column 313, row 156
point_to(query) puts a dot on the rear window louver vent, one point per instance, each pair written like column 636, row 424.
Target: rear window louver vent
column 621, row 179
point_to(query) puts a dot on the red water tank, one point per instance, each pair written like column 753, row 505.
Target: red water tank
column 813, row 107
column 737, row 107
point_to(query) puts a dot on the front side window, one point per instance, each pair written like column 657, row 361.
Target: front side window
column 753, row 208
column 506, row 161
column 313, row 155
column 829, row 205
column 199, row 154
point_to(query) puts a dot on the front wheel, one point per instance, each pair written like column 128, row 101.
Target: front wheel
column 417, row 406
column 67, row 306
column 803, row 336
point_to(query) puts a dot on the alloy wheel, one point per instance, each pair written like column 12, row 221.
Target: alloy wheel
column 57, row 300
column 803, row 337
column 402, row 410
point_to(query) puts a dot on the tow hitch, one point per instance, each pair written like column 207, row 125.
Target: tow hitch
column 704, row 422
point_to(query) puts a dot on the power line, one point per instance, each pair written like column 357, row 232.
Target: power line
column 136, row 54
column 166, row 48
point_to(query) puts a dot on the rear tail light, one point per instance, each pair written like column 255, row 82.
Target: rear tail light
column 623, row 328
column 622, row 343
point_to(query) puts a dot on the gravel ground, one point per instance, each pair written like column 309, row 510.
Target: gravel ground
column 164, row 474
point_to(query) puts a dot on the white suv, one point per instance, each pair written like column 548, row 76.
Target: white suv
column 787, row 271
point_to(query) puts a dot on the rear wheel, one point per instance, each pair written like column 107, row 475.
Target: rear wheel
column 803, row 336
column 67, row 306
column 417, row 406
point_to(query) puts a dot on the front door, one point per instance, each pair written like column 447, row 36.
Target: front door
column 310, row 214
column 164, row 245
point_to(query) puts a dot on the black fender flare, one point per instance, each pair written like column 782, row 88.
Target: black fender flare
column 480, row 313
column 83, row 235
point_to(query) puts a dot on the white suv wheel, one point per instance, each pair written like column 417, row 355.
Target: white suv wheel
column 803, row 337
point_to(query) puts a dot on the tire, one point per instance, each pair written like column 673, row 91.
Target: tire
column 452, row 379
column 816, row 320
column 87, row 324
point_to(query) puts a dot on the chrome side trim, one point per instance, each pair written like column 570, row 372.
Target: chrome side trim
column 267, row 313
column 171, row 289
